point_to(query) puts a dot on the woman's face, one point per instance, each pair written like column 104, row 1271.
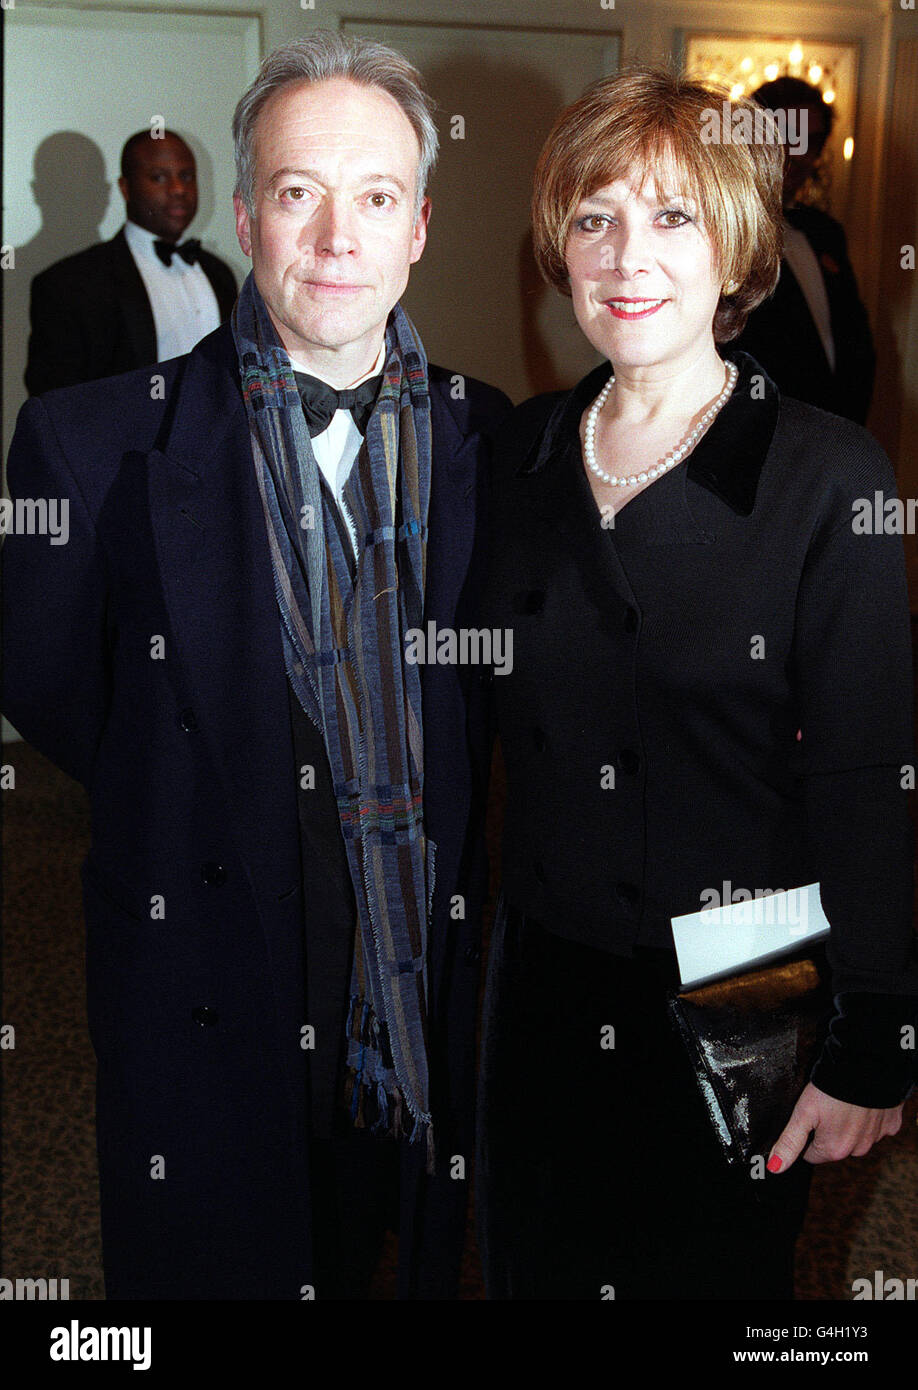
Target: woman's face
column 642, row 275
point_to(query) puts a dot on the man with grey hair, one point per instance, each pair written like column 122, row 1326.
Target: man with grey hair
column 284, row 887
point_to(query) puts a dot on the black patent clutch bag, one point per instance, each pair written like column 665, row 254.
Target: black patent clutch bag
column 752, row 1041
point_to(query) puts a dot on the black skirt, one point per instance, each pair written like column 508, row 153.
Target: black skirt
column 599, row 1175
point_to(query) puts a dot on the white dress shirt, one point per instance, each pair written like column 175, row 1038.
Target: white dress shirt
column 801, row 258
column 337, row 446
column 184, row 305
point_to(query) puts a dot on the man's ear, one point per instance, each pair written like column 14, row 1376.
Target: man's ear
column 419, row 233
column 123, row 185
column 243, row 228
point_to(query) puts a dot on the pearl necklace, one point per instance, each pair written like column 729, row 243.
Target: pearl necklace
column 671, row 459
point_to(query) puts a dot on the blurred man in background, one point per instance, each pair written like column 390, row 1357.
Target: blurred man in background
column 812, row 336
column 144, row 296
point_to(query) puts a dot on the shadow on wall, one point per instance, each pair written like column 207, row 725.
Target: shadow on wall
column 72, row 194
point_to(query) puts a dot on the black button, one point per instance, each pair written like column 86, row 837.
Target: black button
column 629, row 761
column 204, row 1016
column 187, row 721
column 631, row 620
column 627, row 893
column 472, row 955
column 529, row 602
column 213, row 874
column 540, row 740
column 538, row 870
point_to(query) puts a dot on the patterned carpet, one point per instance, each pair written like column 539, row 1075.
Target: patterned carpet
column 863, row 1214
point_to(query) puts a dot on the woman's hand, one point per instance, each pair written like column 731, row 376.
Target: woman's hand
column 839, row 1130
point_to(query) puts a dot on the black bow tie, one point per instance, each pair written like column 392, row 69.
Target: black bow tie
column 320, row 401
column 188, row 250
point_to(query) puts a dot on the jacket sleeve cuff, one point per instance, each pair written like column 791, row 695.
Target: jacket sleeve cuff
column 869, row 1056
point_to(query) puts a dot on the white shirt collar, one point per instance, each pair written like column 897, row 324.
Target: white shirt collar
column 140, row 240
column 374, row 370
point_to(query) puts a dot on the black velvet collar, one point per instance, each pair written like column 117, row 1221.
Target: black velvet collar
column 729, row 457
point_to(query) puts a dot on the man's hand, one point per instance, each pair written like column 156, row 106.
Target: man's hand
column 839, row 1130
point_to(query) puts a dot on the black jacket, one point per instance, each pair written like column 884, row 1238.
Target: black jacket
column 144, row 658
column 732, row 604
column 91, row 315
column 782, row 335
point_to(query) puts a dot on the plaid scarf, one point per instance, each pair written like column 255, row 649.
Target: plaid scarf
column 343, row 630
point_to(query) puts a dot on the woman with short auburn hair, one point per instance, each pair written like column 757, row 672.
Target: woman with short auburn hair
column 711, row 685
column 654, row 121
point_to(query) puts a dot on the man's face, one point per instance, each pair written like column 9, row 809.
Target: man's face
column 333, row 232
column 161, row 191
column 798, row 168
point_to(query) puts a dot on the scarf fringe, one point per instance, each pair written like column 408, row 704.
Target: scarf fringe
column 385, row 1114
column 366, row 1028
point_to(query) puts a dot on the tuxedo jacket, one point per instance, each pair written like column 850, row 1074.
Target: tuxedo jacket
column 782, row 335
column 91, row 315
column 144, row 658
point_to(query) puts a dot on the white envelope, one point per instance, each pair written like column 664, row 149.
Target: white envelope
column 724, row 940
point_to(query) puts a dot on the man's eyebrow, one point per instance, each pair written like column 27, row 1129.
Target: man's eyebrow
column 386, row 178
column 158, row 168
column 290, row 171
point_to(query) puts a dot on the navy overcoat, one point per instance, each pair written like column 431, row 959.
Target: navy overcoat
column 144, row 658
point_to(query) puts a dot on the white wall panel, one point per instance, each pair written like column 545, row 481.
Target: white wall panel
column 475, row 295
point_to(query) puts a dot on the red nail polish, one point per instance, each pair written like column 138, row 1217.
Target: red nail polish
column 774, row 1164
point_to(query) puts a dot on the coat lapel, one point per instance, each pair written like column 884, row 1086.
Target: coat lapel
column 134, row 305
column 556, row 490
column 454, row 501
column 453, row 530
